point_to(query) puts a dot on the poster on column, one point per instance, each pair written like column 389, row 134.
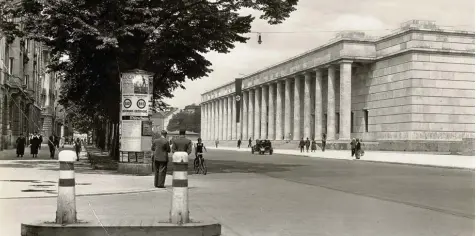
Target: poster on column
column 131, row 135
column 135, row 84
column 238, row 99
column 135, row 105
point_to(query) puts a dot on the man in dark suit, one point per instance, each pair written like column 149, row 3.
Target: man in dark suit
column 182, row 144
column 161, row 150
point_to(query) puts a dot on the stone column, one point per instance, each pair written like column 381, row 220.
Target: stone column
column 257, row 113
column 264, row 115
column 318, row 106
column 219, row 126
column 345, row 99
column 214, row 121
column 244, row 121
column 251, row 113
column 271, row 112
column 287, row 109
column 297, row 109
column 225, row 118
column 279, row 111
column 307, row 105
column 202, row 121
column 331, row 109
column 233, row 117
column 230, row 120
column 207, row 117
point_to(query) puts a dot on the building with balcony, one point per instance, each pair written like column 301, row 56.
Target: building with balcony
column 22, row 76
column 412, row 90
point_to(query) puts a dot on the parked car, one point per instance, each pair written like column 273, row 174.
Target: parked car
column 262, row 147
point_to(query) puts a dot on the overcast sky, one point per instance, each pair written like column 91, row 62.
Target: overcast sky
column 373, row 16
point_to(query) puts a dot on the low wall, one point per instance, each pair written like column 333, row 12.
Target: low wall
column 134, row 168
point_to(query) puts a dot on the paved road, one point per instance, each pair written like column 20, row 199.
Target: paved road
column 290, row 195
column 450, row 191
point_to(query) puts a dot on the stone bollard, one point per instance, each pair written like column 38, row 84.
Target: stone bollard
column 179, row 212
column 66, row 209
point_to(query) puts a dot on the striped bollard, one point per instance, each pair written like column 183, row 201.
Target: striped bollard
column 179, row 212
column 66, row 208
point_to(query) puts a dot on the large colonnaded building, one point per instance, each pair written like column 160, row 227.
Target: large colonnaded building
column 411, row 90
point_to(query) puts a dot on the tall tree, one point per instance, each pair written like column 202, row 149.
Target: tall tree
column 185, row 120
column 104, row 38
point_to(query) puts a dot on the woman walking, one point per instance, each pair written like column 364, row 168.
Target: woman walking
column 21, row 142
column 358, row 149
column 313, row 145
column 35, row 144
column 77, row 148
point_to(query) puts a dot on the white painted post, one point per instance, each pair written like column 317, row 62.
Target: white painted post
column 66, row 208
column 179, row 213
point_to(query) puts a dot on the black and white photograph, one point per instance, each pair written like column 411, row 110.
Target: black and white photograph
column 237, row 117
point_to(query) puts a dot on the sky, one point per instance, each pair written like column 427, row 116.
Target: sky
column 374, row 17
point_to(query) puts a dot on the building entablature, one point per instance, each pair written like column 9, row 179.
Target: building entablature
column 357, row 47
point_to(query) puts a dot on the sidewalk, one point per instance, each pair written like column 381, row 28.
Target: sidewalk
column 451, row 161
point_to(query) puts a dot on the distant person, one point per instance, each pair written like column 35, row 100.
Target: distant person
column 358, row 148
column 239, row 143
column 77, row 148
column 352, row 146
column 308, row 144
column 51, row 145
column 302, row 144
column 216, row 143
column 40, row 138
column 249, row 142
column 324, row 139
column 21, row 142
column 35, row 144
column 161, row 150
column 313, row 145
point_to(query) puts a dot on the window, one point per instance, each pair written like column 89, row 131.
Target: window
column 10, row 66
column 26, row 80
column 352, row 122
column 366, row 120
column 337, row 123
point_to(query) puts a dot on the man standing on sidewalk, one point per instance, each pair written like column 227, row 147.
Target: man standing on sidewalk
column 161, row 149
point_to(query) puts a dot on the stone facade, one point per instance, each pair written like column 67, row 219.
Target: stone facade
column 22, row 75
column 414, row 86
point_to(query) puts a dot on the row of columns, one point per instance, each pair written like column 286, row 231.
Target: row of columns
column 272, row 111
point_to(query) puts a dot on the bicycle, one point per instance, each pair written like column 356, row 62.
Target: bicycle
column 199, row 164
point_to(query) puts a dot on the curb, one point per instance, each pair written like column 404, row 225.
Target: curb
column 89, row 194
column 277, row 151
column 137, row 229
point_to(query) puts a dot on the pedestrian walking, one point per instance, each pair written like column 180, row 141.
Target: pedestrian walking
column 313, row 145
column 352, row 146
column 21, row 142
column 161, row 149
column 302, row 144
column 308, row 144
column 77, row 148
column 57, row 141
column 239, row 143
column 41, row 141
column 35, row 144
column 358, row 149
column 216, row 143
column 324, row 139
column 249, row 142
column 51, row 145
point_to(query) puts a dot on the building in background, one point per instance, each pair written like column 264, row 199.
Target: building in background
column 160, row 119
column 192, row 109
column 22, row 76
column 412, row 90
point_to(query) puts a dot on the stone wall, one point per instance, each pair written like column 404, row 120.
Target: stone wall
column 442, row 96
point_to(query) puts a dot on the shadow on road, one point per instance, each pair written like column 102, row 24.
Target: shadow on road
column 222, row 166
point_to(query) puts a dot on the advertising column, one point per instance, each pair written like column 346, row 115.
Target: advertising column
column 136, row 126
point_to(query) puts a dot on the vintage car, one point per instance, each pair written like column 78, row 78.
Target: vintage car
column 262, row 147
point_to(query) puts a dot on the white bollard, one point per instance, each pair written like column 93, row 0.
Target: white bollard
column 66, row 209
column 179, row 212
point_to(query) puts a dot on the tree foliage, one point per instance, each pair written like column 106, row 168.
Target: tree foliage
column 185, row 120
column 107, row 37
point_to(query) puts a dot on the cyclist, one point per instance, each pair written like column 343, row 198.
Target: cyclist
column 199, row 147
